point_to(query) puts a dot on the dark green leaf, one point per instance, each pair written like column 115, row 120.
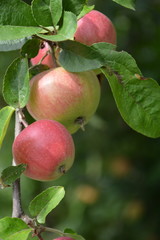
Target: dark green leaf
column 34, row 70
column 66, row 31
column 5, row 116
column 30, row 48
column 73, row 236
column 56, row 10
column 42, row 8
column 10, row 174
column 16, row 83
column 68, row 230
column 11, row 45
column 16, row 13
column 51, row 10
column 16, row 32
column 77, row 57
column 86, row 9
column 137, row 99
column 45, row 202
column 74, row 6
column 126, row 3
column 13, row 228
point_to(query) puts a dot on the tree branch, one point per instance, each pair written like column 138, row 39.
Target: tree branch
column 17, row 208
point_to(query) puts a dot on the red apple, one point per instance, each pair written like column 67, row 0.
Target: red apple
column 46, row 147
column 48, row 59
column 95, row 27
column 69, row 98
column 63, row 238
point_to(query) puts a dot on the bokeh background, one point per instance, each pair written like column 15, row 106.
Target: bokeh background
column 113, row 188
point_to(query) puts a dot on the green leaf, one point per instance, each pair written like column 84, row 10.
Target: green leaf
column 11, row 45
column 10, row 174
column 5, row 116
column 73, row 236
column 66, row 31
column 45, row 202
column 137, row 99
column 86, row 9
column 13, row 228
column 56, row 10
column 17, row 13
column 51, row 10
column 16, row 83
column 77, row 57
column 30, row 48
column 34, row 70
column 17, row 32
column 74, row 6
column 126, row 3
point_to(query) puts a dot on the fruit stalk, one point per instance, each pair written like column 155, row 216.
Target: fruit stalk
column 17, row 210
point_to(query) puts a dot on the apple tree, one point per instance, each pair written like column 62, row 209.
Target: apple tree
column 65, row 48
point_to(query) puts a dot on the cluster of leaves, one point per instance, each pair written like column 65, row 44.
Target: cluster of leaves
column 22, row 27
column 39, row 208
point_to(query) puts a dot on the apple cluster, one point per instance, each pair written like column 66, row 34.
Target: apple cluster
column 61, row 102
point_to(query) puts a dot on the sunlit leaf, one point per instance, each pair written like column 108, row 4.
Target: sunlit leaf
column 126, row 3
column 5, row 116
column 16, row 83
column 13, row 228
column 66, row 31
column 45, row 202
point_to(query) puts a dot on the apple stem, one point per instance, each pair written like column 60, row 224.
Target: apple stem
column 17, row 207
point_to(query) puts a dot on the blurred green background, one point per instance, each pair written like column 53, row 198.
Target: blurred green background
column 113, row 189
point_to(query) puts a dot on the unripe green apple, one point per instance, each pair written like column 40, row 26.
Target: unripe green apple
column 95, row 27
column 63, row 238
column 46, row 147
column 46, row 53
column 69, row 98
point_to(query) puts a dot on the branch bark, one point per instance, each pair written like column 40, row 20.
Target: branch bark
column 17, row 210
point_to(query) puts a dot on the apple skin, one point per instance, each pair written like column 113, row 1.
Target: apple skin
column 95, row 27
column 46, row 147
column 69, row 98
column 63, row 238
column 48, row 60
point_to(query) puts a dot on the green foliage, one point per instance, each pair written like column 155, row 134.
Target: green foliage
column 51, row 11
column 16, row 14
column 45, row 202
column 85, row 58
column 13, row 228
column 74, row 6
column 12, row 173
column 5, row 116
column 72, row 234
column 66, row 31
column 16, row 83
column 137, row 100
column 17, row 32
column 34, row 70
column 28, row 50
column 126, row 3
column 11, row 45
column 86, row 9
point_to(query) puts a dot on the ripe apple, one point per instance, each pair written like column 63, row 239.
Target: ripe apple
column 69, row 98
column 46, row 147
column 95, row 27
column 46, row 53
column 63, row 238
